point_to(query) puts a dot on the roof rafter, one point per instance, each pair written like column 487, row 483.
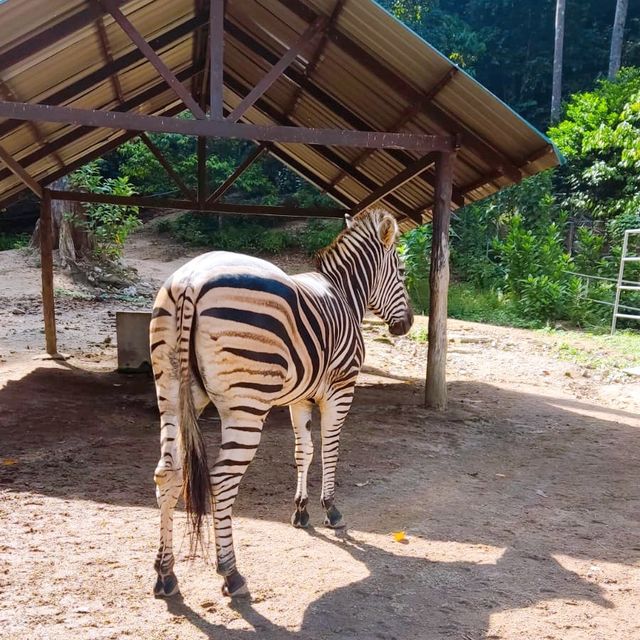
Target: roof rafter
column 304, row 41
column 17, row 169
column 149, row 94
column 330, row 102
column 108, row 57
column 76, row 88
column 135, row 37
column 214, row 129
column 471, row 139
column 397, row 181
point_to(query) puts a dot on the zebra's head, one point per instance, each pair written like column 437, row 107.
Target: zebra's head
column 388, row 297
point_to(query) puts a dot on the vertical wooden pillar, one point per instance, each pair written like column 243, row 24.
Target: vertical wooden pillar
column 216, row 58
column 46, row 265
column 436, row 385
column 202, row 169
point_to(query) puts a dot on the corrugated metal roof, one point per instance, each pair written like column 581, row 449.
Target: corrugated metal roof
column 368, row 71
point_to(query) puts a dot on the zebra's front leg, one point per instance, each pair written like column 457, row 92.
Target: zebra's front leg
column 241, row 432
column 301, row 421
column 333, row 411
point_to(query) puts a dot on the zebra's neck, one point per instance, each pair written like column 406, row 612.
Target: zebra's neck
column 351, row 272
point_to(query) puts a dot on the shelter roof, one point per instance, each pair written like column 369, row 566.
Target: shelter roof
column 362, row 69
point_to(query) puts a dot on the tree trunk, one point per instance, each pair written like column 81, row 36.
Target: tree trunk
column 617, row 37
column 68, row 235
column 556, row 91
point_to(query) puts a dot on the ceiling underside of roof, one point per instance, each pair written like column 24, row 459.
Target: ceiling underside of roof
column 365, row 71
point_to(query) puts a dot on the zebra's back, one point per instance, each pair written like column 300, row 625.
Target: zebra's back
column 260, row 335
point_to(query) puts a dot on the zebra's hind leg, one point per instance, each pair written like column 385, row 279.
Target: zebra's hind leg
column 168, row 480
column 301, row 421
column 241, row 432
column 333, row 411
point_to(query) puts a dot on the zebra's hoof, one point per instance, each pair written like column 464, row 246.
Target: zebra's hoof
column 333, row 518
column 166, row 586
column 300, row 519
column 234, row 586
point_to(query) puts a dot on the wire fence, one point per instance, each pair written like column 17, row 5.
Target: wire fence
column 589, row 277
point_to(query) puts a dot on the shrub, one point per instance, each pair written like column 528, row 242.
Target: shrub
column 13, row 241
column 108, row 224
column 319, row 234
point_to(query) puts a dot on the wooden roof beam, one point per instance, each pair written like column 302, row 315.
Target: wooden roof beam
column 17, row 169
column 76, row 133
column 251, row 158
column 396, row 182
column 470, row 139
column 166, row 165
column 298, row 47
column 79, row 86
column 328, row 101
column 223, row 129
column 135, row 37
column 108, row 58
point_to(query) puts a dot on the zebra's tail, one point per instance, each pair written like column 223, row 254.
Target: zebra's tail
column 197, row 484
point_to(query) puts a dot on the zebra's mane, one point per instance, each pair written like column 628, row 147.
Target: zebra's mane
column 366, row 223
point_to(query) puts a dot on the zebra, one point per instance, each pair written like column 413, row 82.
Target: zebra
column 239, row 332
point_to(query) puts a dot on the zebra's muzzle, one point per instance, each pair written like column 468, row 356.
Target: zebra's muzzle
column 402, row 326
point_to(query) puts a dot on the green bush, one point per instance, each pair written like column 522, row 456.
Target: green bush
column 475, row 305
column 13, row 241
column 241, row 235
column 415, row 250
column 247, row 235
column 108, row 224
column 319, row 234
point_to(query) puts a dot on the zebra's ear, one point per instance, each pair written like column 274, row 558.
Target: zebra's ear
column 348, row 220
column 387, row 231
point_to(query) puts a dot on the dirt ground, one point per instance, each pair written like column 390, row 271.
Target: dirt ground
column 520, row 504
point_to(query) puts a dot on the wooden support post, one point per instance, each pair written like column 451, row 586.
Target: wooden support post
column 216, row 59
column 436, row 384
column 46, row 265
column 202, row 169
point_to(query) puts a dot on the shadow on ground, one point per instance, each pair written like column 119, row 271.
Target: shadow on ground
column 539, row 477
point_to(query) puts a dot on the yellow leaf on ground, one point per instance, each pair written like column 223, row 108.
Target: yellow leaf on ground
column 399, row 536
column 7, row 462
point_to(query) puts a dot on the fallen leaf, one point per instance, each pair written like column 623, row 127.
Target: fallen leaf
column 7, row 462
column 399, row 536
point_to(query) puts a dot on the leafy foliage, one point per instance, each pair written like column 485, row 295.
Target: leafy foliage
column 248, row 235
column 109, row 224
column 13, row 241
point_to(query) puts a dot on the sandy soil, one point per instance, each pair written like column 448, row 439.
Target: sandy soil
column 520, row 504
